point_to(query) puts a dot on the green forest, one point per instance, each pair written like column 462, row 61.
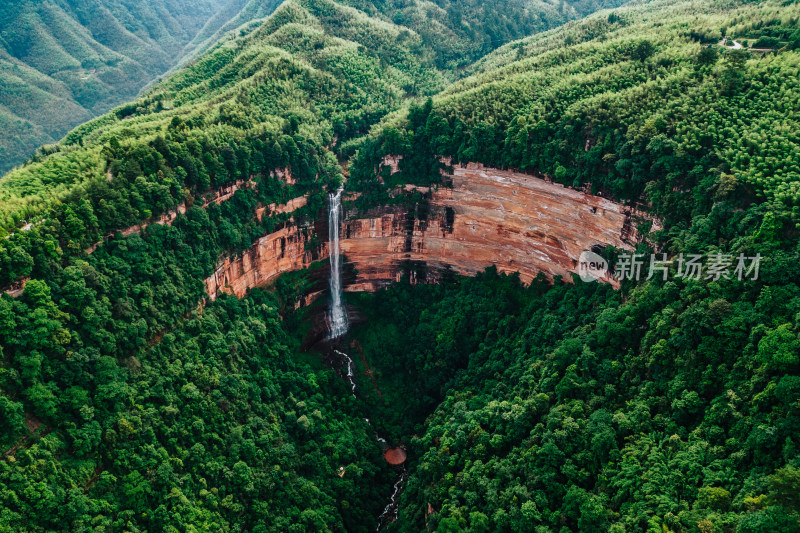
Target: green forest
column 65, row 62
column 131, row 401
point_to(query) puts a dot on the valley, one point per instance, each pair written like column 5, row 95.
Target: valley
column 324, row 275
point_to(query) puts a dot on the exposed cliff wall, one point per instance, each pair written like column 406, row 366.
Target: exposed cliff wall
column 17, row 288
column 275, row 209
column 284, row 250
column 517, row 222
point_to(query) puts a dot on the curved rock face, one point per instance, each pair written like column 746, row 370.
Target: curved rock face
column 517, row 222
column 282, row 251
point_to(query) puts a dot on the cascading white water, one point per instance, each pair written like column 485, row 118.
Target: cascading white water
column 338, row 315
column 337, row 325
column 390, row 511
column 349, row 376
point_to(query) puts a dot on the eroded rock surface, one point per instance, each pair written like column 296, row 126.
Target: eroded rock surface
column 284, row 250
column 517, row 222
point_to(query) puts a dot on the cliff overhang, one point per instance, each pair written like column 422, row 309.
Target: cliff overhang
column 513, row 221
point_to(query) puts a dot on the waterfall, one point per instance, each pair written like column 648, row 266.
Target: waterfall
column 338, row 316
column 337, row 324
column 349, row 376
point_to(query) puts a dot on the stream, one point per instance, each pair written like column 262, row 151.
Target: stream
column 389, row 513
column 338, row 326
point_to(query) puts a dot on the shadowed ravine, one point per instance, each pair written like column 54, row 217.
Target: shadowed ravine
column 338, row 326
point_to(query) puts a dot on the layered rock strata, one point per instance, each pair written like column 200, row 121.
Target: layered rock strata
column 516, row 222
column 284, row 250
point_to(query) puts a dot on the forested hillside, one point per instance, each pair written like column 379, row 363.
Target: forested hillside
column 597, row 102
column 460, row 32
column 65, row 62
column 130, row 401
column 669, row 406
column 235, row 14
column 315, row 74
column 411, row 65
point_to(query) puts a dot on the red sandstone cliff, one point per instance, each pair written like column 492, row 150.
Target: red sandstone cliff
column 289, row 207
column 517, row 222
column 514, row 221
column 282, row 251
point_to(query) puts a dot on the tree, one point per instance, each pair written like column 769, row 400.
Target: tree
column 643, row 50
column 733, row 71
column 707, row 56
column 785, row 489
column 779, row 348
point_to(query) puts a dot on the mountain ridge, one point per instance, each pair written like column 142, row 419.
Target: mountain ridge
column 76, row 61
column 128, row 51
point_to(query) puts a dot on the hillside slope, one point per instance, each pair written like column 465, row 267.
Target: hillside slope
column 420, row 56
column 671, row 405
column 269, row 431
column 233, row 15
column 64, row 62
column 460, row 32
column 321, row 65
column 131, row 401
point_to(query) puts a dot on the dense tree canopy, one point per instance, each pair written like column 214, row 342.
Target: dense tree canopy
column 669, row 407
column 64, row 61
column 130, row 401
